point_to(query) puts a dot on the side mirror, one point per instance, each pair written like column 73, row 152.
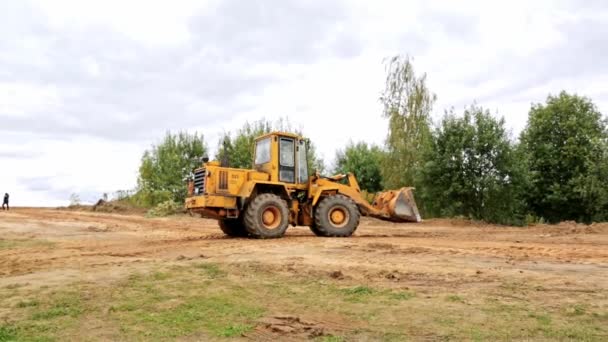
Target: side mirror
column 205, row 159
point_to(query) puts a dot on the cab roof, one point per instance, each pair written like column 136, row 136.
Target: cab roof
column 280, row 133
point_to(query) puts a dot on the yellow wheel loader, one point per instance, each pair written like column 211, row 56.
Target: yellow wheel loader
column 278, row 191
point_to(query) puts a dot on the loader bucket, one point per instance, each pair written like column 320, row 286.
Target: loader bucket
column 396, row 205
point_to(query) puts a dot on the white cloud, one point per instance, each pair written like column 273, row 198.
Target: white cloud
column 20, row 99
column 151, row 22
column 86, row 87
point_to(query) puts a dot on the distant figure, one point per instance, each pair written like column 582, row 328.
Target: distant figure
column 5, row 202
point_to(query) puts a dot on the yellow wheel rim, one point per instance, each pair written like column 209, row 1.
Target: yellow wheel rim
column 271, row 217
column 338, row 217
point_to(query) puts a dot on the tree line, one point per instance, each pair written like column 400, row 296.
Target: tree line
column 466, row 164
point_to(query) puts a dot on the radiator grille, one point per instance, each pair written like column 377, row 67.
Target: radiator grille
column 199, row 181
column 223, row 184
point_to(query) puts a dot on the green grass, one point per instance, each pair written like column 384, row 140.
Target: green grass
column 357, row 294
column 211, row 270
column 359, row 291
column 454, row 299
column 219, row 316
column 210, row 301
column 331, row 338
column 8, row 333
column 403, row 295
column 360, row 294
column 183, row 303
column 27, row 303
column 235, row 330
column 65, row 304
column 24, row 243
column 160, row 275
column 42, row 319
column 544, row 320
column 576, row 310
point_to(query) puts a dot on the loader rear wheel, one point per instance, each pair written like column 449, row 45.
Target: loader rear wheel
column 233, row 227
column 337, row 216
column 267, row 217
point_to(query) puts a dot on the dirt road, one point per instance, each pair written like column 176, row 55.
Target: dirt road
column 551, row 266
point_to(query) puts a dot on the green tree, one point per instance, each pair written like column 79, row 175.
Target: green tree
column 565, row 144
column 407, row 105
column 164, row 167
column 473, row 169
column 363, row 161
column 237, row 151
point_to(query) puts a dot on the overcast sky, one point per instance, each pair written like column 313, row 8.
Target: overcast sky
column 86, row 87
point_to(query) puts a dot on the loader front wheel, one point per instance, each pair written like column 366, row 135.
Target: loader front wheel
column 337, row 216
column 315, row 230
column 267, row 217
column 233, row 227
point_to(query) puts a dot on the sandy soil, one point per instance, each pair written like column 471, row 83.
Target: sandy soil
column 59, row 246
column 436, row 252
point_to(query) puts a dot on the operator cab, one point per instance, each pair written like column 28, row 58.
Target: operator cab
column 283, row 156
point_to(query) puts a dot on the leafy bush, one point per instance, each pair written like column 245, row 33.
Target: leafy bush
column 165, row 166
column 165, row 208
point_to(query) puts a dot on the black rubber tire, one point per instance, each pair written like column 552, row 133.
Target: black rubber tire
column 315, row 230
column 233, row 227
column 254, row 222
column 324, row 225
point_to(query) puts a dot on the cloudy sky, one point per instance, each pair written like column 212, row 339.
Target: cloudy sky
column 86, row 87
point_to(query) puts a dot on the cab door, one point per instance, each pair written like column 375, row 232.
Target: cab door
column 287, row 164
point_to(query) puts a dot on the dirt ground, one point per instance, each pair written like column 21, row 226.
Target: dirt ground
column 561, row 270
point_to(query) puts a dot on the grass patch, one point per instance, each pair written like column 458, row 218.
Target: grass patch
column 27, row 303
column 394, row 337
column 359, row 291
column 44, row 319
column 212, row 271
column 183, row 304
column 160, row 275
column 600, row 316
column 454, row 299
column 219, row 316
column 201, row 302
column 360, row 294
column 67, row 304
column 331, row 338
column 8, row 333
column 404, row 295
column 542, row 319
column 357, row 294
column 576, row 310
column 235, row 330
column 24, row 243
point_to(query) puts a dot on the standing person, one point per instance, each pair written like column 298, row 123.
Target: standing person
column 5, row 202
